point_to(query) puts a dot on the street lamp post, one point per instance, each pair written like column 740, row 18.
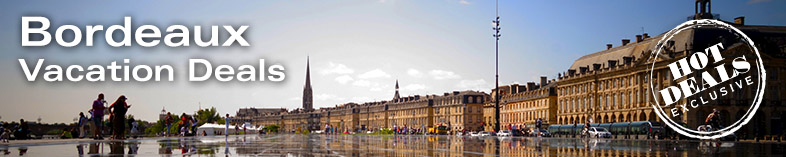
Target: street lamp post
column 496, row 28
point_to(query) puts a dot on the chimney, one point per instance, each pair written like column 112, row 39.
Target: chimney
column 543, row 81
column 608, row 46
column 571, row 72
column 638, row 38
column 739, row 20
column 530, row 86
column 612, row 63
column 625, row 42
column 582, row 70
column 446, row 94
column 646, row 35
column 456, row 92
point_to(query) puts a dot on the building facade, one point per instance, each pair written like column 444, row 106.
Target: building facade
column 526, row 104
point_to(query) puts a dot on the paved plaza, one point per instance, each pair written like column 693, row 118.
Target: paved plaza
column 387, row 145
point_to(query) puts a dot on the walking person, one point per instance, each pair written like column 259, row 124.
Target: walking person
column 81, row 124
column 119, row 109
column 98, row 116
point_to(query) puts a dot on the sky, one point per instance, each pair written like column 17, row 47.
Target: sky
column 357, row 48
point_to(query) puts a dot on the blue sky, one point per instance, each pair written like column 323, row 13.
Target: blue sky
column 358, row 48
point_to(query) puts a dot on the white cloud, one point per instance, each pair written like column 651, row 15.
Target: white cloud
column 414, row 87
column 376, row 73
column 442, row 74
column 479, row 85
column 343, row 79
column 463, row 2
column 414, row 73
column 336, row 68
column 362, row 83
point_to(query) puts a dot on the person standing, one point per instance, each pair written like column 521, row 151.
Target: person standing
column 168, row 121
column 98, row 116
column 183, row 124
column 81, row 124
column 119, row 109
column 134, row 127
column 5, row 134
column 226, row 123
column 23, row 131
column 538, row 125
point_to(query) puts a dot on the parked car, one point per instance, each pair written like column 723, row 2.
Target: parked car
column 599, row 132
column 542, row 132
column 474, row 134
column 504, row 133
column 484, row 133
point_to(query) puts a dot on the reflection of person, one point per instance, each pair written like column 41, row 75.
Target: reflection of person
column 22, row 151
column 119, row 109
column 80, row 149
column 93, row 148
column 226, row 144
column 133, row 148
column 116, row 148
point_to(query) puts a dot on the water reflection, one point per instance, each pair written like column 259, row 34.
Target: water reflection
column 408, row 145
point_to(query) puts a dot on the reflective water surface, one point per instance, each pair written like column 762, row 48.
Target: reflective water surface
column 381, row 145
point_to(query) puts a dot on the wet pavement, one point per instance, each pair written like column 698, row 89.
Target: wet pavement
column 388, row 145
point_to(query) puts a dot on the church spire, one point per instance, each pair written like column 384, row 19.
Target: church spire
column 308, row 99
column 396, row 96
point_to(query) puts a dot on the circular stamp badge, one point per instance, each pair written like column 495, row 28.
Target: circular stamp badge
column 701, row 68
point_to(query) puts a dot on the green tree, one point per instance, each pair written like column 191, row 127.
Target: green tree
column 209, row 116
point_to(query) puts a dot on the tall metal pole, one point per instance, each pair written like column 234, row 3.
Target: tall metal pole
column 496, row 28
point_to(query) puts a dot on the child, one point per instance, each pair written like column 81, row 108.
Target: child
column 4, row 134
column 183, row 131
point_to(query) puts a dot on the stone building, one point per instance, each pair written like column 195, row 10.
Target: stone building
column 459, row 110
column 612, row 85
column 413, row 111
column 525, row 104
